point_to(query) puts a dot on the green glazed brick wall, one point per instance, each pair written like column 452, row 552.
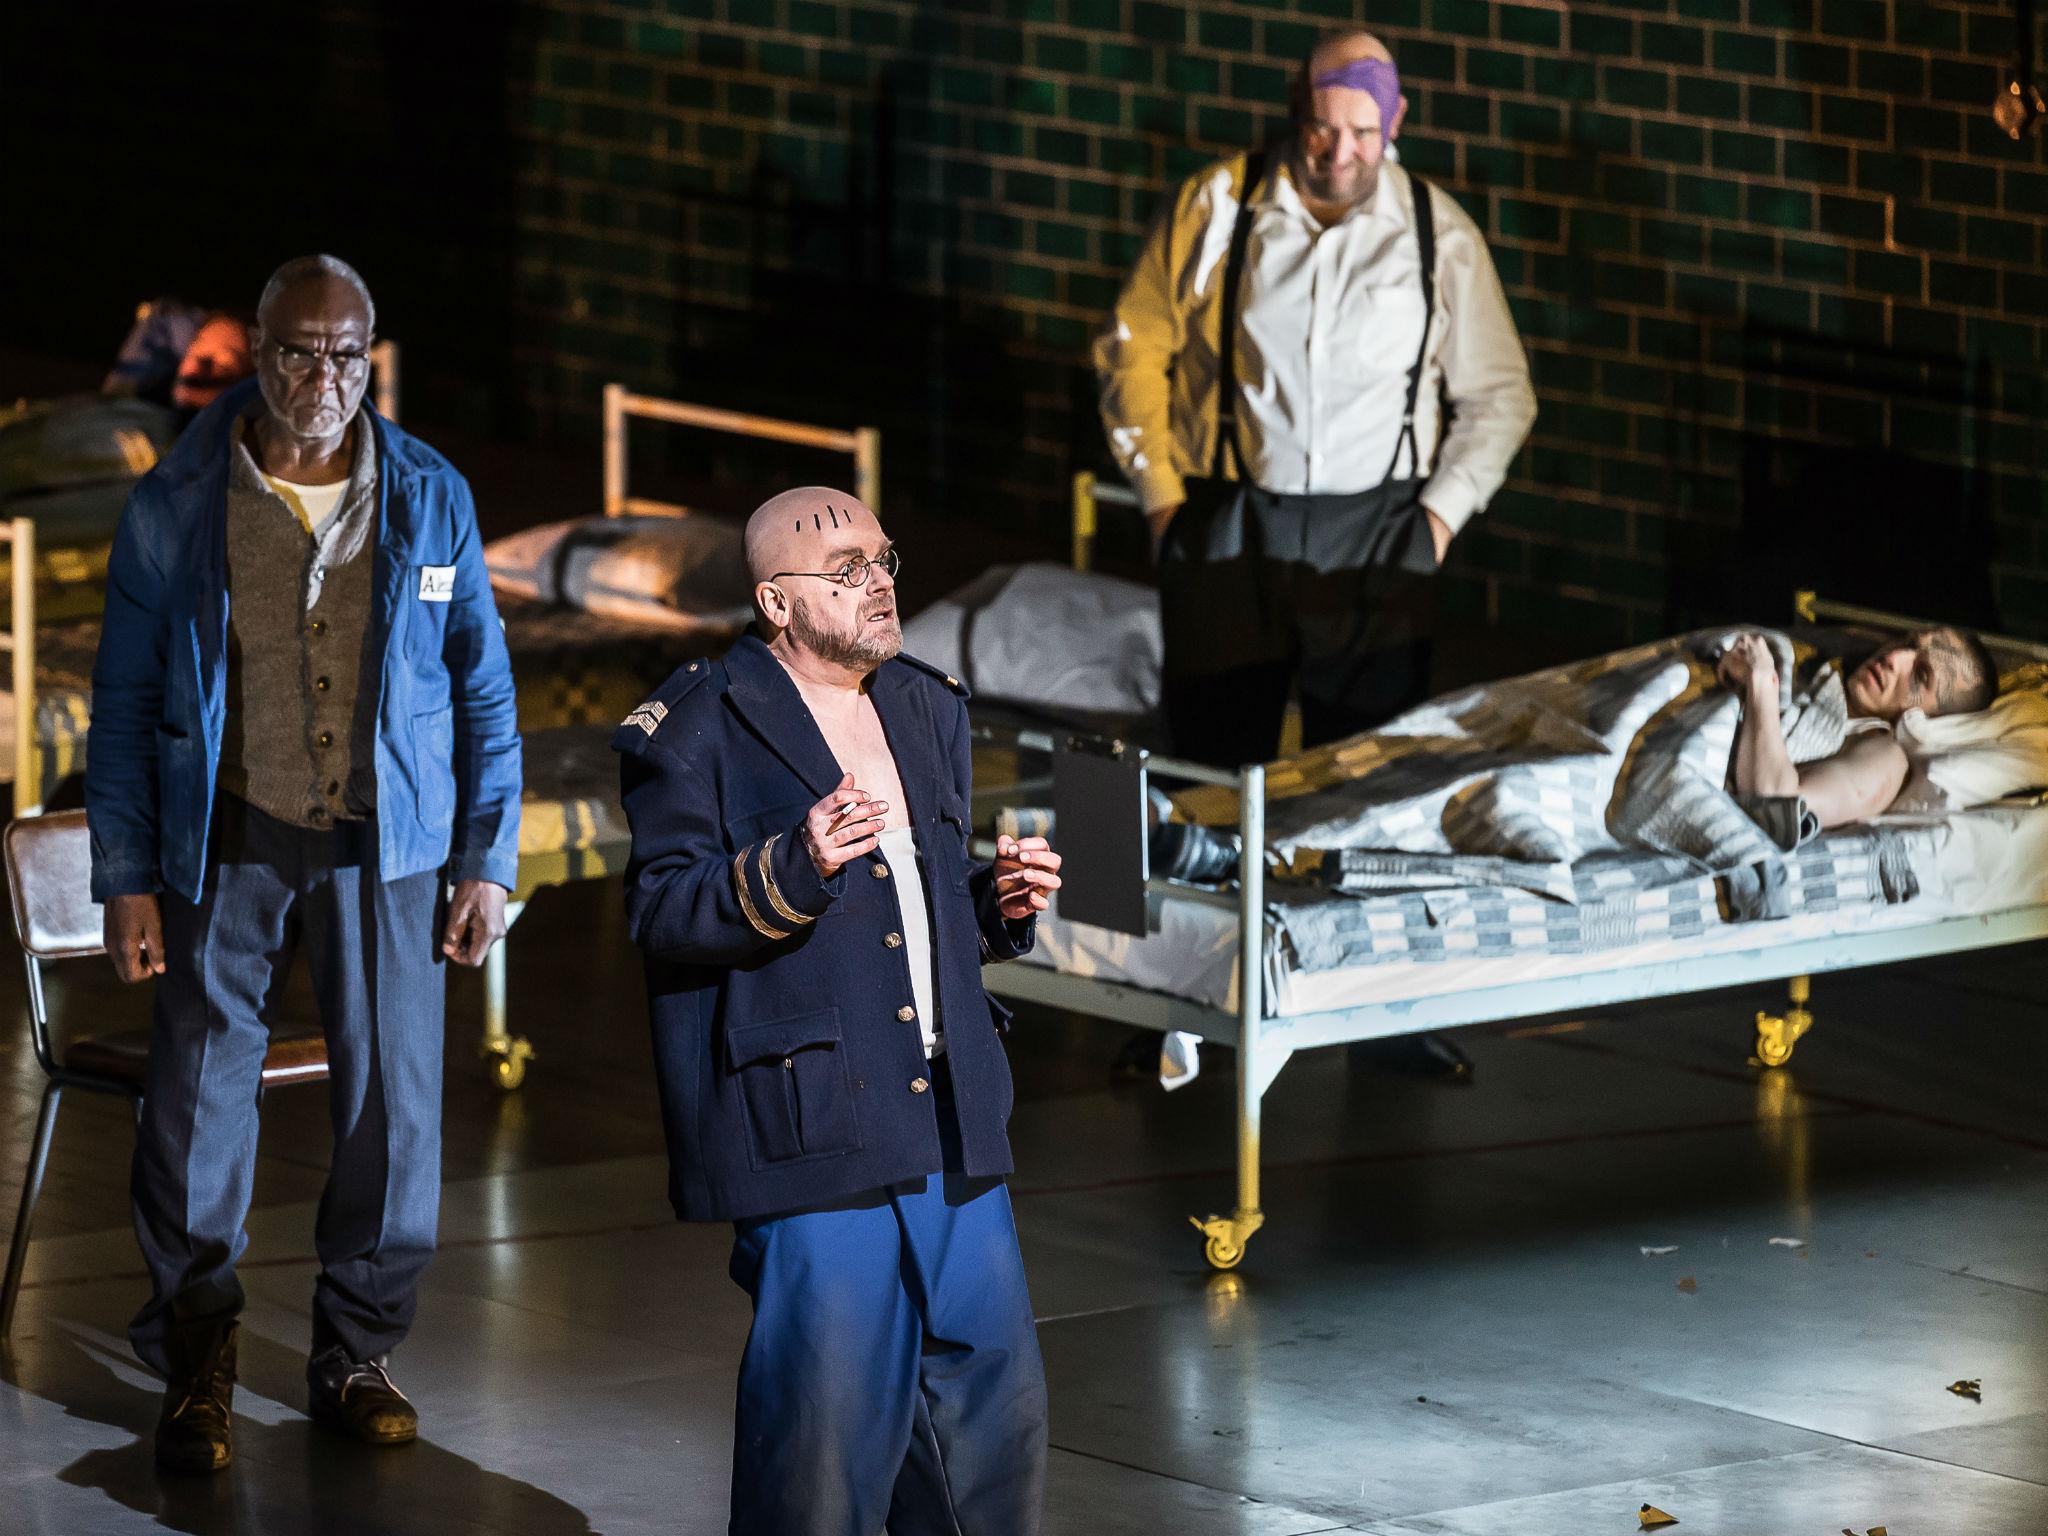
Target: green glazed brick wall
column 1723, row 224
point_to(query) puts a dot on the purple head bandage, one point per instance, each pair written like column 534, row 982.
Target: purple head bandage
column 1378, row 78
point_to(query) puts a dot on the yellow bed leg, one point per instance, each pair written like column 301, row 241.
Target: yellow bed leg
column 1777, row 1034
column 1258, row 1061
column 508, row 1053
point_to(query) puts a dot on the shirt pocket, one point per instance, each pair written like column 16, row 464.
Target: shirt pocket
column 795, row 1088
column 1378, row 333
column 425, row 603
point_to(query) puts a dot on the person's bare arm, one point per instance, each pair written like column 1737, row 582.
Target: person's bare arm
column 1763, row 766
column 1858, row 782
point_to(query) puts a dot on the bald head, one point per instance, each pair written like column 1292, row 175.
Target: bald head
column 1341, row 48
column 798, row 546
column 812, row 528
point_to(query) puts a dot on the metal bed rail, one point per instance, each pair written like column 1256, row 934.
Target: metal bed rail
column 622, row 406
column 19, row 534
column 1812, row 608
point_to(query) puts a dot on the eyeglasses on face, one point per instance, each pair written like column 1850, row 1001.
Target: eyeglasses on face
column 301, row 362
column 855, row 572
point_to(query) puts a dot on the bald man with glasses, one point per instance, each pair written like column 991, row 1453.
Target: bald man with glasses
column 832, row 1073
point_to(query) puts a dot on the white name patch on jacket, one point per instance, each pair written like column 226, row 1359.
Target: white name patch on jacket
column 437, row 583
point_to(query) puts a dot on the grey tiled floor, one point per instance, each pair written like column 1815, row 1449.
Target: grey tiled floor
column 1448, row 1325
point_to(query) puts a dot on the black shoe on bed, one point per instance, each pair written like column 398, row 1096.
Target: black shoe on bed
column 1435, row 1057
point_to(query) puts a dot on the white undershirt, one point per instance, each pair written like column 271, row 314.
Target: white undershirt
column 314, row 504
column 900, row 849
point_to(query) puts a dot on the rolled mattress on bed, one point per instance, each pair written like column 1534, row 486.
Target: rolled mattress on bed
column 1049, row 638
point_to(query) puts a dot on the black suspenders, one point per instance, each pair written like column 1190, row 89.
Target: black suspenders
column 1226, row 350
column 1425, row 243
column 1226, row 347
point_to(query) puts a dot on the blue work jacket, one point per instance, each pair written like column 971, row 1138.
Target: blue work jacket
column 447, row 745
column 787, row 1049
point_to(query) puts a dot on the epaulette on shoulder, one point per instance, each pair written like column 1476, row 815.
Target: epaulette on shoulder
column 951, row 682
column 646, row 718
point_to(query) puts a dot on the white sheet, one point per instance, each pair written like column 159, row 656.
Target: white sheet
column 1987, row 860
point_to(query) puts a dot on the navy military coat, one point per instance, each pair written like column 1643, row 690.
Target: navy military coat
column 786, row 1043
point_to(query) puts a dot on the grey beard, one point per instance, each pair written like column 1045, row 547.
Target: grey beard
column 857, row 652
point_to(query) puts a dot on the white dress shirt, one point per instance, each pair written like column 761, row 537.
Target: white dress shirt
column 1330, row 323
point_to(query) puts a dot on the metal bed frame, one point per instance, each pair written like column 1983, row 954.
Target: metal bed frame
column 507, row 1053
column 1265, row 1041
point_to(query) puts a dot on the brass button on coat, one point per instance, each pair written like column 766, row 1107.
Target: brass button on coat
column 879, row 871
column 906, row 1013
column 893, row 940
column 918, row 1085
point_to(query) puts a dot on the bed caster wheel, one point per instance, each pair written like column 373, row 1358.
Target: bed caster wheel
column 1226, row 1236
column 512, row 1054
column 1777, row 1035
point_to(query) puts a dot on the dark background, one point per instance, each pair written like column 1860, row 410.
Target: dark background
column 1782, row 282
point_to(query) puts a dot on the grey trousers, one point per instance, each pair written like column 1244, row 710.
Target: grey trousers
column 376, row 966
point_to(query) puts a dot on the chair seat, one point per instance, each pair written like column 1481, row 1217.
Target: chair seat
column 124, row 1057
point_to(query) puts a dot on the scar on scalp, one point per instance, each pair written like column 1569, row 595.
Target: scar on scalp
column 835, row 514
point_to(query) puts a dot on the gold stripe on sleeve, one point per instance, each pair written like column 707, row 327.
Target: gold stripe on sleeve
column 782, row 908
column 739, row 884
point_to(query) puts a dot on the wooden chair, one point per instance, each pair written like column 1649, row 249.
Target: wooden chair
column 49, row 879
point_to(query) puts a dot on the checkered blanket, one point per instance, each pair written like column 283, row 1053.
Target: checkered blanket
column 1513, row 784
column 1618, row 899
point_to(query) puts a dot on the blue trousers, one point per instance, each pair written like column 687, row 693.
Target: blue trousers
column 374, row 949
column 892, row 1373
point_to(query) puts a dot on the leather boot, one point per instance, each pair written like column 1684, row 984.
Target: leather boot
column 357, row 1398
column 195, row 1432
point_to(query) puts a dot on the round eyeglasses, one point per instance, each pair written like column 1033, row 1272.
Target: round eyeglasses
column 855, row 572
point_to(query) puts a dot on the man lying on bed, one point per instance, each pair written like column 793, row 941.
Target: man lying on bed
column 1942, row 671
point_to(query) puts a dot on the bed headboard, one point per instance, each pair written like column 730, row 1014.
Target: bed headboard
column 621, row 406
column 1811, row 608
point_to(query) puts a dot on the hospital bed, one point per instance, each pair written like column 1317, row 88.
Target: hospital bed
column 1215, row 964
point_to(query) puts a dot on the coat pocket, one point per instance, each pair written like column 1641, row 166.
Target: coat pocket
column 795, row 1087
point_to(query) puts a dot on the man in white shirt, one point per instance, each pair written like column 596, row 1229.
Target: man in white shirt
column 1301, row 509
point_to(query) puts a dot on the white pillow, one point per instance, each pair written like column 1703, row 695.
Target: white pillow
column 1047, row 636
column 1973, row 759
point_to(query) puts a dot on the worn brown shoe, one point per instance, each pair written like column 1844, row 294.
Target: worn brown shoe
column 195, row 1433
column 357, row 1398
